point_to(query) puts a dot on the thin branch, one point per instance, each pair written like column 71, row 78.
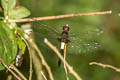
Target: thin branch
column 43, row 61
column 105, row 66
column 12, row 72
column 43, row 75
column 17, row 71
column 59, row 16
column 71, row 70
column 118, row 14
column 30, row 54
column 29, row 49
column 31, row 70
column 65, row 68
column 9, row 77
column 32, row 43
column 37, row 65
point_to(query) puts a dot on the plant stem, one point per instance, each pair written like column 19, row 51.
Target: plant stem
column 71, row 70
column 59, row 16
column 12, row 72
column 17, row 71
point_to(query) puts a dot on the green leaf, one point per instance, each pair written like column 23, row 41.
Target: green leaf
column 8, row 6
column 20, row 31
column 21, row 45
column 19, row 12
column 8, row 44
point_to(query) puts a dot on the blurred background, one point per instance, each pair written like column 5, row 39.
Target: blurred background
column 93, row 38
column 102, row 30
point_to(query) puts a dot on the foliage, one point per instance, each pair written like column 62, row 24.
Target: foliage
column 10, row 42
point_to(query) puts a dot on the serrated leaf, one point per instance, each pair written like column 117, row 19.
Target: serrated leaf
column 8, row 44
column 8, row 6
column 21, row 45
column 19, row 12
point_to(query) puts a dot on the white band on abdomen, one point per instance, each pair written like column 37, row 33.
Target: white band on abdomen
column 62, row 45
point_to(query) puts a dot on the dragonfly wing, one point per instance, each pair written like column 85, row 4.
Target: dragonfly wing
column 78, row 44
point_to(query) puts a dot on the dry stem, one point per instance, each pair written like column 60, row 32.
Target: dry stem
column 37, row 65
column 12, row 72
column 59, row 16
column 65, row 68
column 105, row 66
column 31, row 70
column 31, row 42
column 71, row 70
column 9, row 77
column 30, row 54
column 118, row 14
column 17, row 71
column 43, row 75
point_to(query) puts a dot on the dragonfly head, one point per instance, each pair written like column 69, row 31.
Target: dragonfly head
column 66, row 27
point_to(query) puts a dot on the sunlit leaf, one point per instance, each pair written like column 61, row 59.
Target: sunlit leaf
column 8, row 44
column 8, row 6
column 21, row 45
column 19, row 12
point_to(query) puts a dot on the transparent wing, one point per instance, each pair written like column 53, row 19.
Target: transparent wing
column 80, row 42
column 85, row 42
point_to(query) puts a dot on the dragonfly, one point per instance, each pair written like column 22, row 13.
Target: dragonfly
column 63, row 39
column 60, row 38
column 78, row 44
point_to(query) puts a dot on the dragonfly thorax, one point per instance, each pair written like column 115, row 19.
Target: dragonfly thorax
column 64, row 34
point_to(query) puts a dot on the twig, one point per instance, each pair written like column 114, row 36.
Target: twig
column 37, row 65
column 118, row 14
column 71, row 70
column 43, row 75
column 29, row 49
column 30, row 76
column 65, row 68
column 43, row 61
column 9, row 77
column 30, row 54
column 17, row 71
column 59, row 16
column 13, row 73
column 31, row 42
column 105, row 66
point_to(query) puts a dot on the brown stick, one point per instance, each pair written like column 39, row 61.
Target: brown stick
column 12, row 72
column 70, row 68
column 17, row 71
column 65, row 68
column 105, row 66
column 60, row 16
